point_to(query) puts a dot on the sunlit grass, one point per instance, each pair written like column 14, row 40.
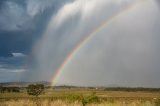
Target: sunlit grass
column 46, row 102
column 81, row 97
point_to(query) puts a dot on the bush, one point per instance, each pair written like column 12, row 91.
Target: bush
column 73, row 98
column 90, row 99
column 84, row 99
column 157, row 102
column 35, row 90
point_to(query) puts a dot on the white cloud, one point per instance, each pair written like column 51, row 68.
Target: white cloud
column 2, row 70
column 18, row 54
column 17, row 70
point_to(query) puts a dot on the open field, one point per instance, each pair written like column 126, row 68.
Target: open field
column 81, row 97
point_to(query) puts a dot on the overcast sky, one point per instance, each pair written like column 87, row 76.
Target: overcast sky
column 37, row 35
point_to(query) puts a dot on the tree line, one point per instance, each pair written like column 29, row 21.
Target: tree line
column 32, row 89
column 132, row 89
column 9, row 89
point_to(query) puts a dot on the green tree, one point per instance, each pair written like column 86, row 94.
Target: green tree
column 35, row 90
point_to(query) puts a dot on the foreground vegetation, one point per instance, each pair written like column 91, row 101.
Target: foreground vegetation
column 76, row 103
column 75, row 96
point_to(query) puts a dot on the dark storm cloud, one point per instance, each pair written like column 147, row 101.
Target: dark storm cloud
column 22, row 23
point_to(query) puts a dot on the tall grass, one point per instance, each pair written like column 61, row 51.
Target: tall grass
column 81, row 97
column 75, row 103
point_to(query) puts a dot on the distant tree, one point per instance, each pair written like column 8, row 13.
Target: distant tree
column 1, row 89
column 35, row 90
column 15, row 89
column 9, row 89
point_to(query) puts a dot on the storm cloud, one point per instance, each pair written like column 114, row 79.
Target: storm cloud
column 125, row 53
column 37, row 36
column 21, row 24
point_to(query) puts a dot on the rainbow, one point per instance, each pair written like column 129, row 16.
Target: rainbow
column 86, row 39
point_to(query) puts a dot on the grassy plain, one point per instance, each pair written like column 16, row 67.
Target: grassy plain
column 81, row 97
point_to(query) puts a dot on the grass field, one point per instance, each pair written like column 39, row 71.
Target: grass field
column 81, row 97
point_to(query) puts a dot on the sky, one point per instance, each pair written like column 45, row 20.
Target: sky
column 36, row 36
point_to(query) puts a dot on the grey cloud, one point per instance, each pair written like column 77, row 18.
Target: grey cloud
column 13, row 17
column 16, row 62
column 12, row 68
column 35, row 7
column 13, row 75
column 20, row 15
column 58, row 42
column 125, row 54
column 21, row 24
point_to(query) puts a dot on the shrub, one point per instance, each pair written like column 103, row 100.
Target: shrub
column 84, row 99
column 35, row 90
column 73, row 98
column 157, row 102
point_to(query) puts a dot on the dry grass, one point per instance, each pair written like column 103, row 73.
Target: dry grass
column 76, row 103
column 63, row 98
column 38, row 103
